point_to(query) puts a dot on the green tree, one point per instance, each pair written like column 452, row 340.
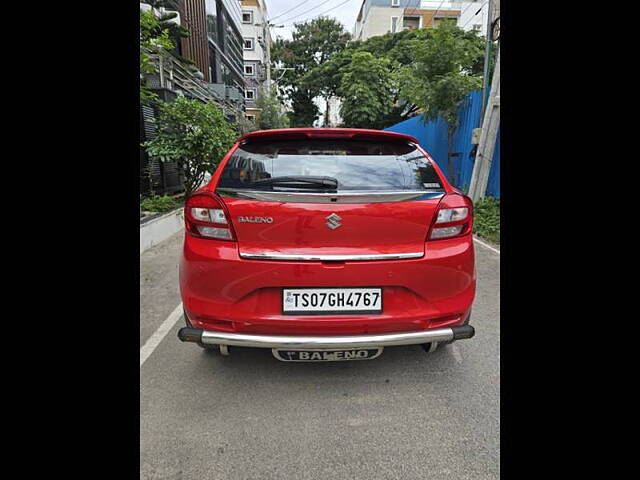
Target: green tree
column 271, row 115
column 313, row 43
column 442, row 72
column 398, row 49
column 244, row 125
column 289, row 71
column 305, row 112
column 366, row 88
column 400, row 108
column 193, row 134
column 393, row 48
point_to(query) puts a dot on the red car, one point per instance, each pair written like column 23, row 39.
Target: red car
column 327, row 244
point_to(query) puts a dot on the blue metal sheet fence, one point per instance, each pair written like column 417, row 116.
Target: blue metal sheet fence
column 433, row 138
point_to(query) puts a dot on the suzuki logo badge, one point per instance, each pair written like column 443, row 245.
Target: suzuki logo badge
column 333, row 221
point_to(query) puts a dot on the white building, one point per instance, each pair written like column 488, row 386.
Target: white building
column 334, row 112
column 377, row 17
column 335, row 120
column 256, row 53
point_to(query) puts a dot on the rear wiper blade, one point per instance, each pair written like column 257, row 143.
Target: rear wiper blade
column 299, row 181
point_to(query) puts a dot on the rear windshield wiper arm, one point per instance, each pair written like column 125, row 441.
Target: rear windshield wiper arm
column 300, row 181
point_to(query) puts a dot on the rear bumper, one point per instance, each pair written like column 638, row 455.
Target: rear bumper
column 223, row 292
column 187, row 334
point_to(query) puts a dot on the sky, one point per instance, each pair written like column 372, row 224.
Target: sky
column 345, row 13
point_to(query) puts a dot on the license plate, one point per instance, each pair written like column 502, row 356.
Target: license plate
column 326, row 355
column 317, row 301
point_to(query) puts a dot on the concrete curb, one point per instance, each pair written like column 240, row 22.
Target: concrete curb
column 160, row 228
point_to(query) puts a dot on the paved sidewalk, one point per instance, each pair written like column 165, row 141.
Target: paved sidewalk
column 159, row 292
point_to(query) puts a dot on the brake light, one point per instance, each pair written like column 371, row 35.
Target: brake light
column 205, row 217
column 446, row 215
column 454, row 217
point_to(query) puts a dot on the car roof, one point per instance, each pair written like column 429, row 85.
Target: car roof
column 356, row 133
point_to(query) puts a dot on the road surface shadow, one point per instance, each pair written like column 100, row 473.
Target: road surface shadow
column 257, row 365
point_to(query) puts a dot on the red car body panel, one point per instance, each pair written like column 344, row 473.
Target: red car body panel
column 299, row 228
column 225, row 292
column 359, row 133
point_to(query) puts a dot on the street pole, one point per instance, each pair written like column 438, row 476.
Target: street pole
column 268, row 51
column 487, row 56
column 267, row 45
column 488, row 136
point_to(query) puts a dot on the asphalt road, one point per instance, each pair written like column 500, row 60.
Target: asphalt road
column 403, row 415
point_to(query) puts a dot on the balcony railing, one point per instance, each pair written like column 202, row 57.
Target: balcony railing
column 173, row 75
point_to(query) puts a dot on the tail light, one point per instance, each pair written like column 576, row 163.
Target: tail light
column 454, row 217
column 206, row 217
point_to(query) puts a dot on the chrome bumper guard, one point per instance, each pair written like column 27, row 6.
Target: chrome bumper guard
column 209, row 337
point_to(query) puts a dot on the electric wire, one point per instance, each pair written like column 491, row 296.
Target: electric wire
column 437, row 10
column 475, row 14
column 321, row 13
column 287, row 11
column 305, row 12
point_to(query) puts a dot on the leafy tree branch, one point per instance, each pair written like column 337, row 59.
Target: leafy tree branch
column 193, row 134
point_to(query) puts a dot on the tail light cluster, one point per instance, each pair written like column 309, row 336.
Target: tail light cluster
column 454, row 217
column 205, row 217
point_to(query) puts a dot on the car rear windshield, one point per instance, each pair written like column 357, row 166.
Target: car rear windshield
column 355, row 164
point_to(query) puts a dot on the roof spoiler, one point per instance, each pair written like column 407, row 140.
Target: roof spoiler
column 303, row 133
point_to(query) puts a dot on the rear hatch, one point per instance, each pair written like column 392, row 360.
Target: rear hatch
column 330, row 198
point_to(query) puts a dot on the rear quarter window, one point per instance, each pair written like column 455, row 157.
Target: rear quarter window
column 357, row 165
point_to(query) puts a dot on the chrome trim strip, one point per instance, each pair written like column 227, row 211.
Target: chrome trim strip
column 329, row 258
column 318, row 197
column 327, row 342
